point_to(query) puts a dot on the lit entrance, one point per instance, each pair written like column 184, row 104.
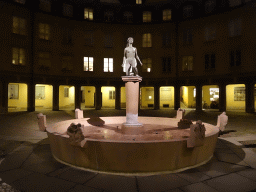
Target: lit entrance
column 166, row 97
column 147, row 97
column 17, row 97
column 88, row 95
column 43, row 97
column 188, row 97
column 235, row 97
column 66, row 97
column 210, row 97
column 108, row 97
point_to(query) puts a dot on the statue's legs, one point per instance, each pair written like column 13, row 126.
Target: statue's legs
column 135, row 70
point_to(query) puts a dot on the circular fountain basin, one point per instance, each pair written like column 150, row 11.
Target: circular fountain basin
column 160, row 148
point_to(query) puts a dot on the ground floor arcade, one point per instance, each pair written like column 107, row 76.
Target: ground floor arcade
column 27, row 97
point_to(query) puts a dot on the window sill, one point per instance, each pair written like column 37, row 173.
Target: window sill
column 44, row 68
column 208, row 42
column 64, row 70
column 235, row 68
column 20, row 35
column 187, row 44
column 45, row 40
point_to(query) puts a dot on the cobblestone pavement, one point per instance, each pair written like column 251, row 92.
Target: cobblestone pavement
column 26, row 163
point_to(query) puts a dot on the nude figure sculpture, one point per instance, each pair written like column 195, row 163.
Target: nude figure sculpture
column 130, row 56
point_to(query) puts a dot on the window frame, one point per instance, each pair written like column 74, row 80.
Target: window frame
column 19, row 52
column 147, row 40
column 107, row 67
column 166, row 16
column 90, row 63
column 21, row 25
column 147, row 65
column 190, row 67
column 46, row 31
column 147, row 16
column 88, row 14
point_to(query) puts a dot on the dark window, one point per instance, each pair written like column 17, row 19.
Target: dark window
column 210, row 61
column 235, row 58
column 108, row 40
column 167, row 39
column 166, row 64
column 67, row 35
column 209, row 6
column 188, row 11
column 187, row 36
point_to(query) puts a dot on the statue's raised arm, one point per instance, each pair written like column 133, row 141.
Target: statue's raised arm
column 129, row 60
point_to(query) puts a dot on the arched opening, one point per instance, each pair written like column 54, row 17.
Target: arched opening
column 147, row 97
column 88, row 97
column 108, row 97
column 166, row 97
column 66, row 97
column 187, row 97
column 210, row 97
column 235, row 97
column 43, row 97
column 17, row 97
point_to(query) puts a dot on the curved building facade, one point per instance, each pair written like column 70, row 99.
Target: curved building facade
column 68, row 54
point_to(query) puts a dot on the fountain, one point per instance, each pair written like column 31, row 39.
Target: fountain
column 132, row 145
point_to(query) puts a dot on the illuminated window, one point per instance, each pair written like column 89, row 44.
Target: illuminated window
column 112, row 94
column 235, row 27
column 167, row 14
column 209, row 61
column 88, row 14
column 20, row 1
column 187, row 63
column 108, row 64
column 188, row 11
column 210, row 33
column 40, row 92
column 44, row 31
column 45, row 5
column 18, row 25
column 233, row 3
column 146, row 16
column 146, row 40
column 138, row 1
column 44, row 59
column 147, row 65
column 67, row 10
column 128, row 17
column 166, row 64
column 67, row 63
column 209, row 6
column 235, row 58
column 108, row 40
column 187, row 36
column 88, row 37
column 108, row 16
column 166, row 39
column 18, row 56
column 88, row 63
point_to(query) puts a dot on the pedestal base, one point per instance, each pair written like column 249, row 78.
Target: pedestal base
column 132, row 129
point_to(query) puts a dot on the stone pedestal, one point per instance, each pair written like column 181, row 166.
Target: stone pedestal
column 132, row 126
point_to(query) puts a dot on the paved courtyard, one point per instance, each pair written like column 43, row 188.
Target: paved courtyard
column 26, row 163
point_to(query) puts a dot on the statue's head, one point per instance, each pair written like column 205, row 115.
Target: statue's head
column 130, row 40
